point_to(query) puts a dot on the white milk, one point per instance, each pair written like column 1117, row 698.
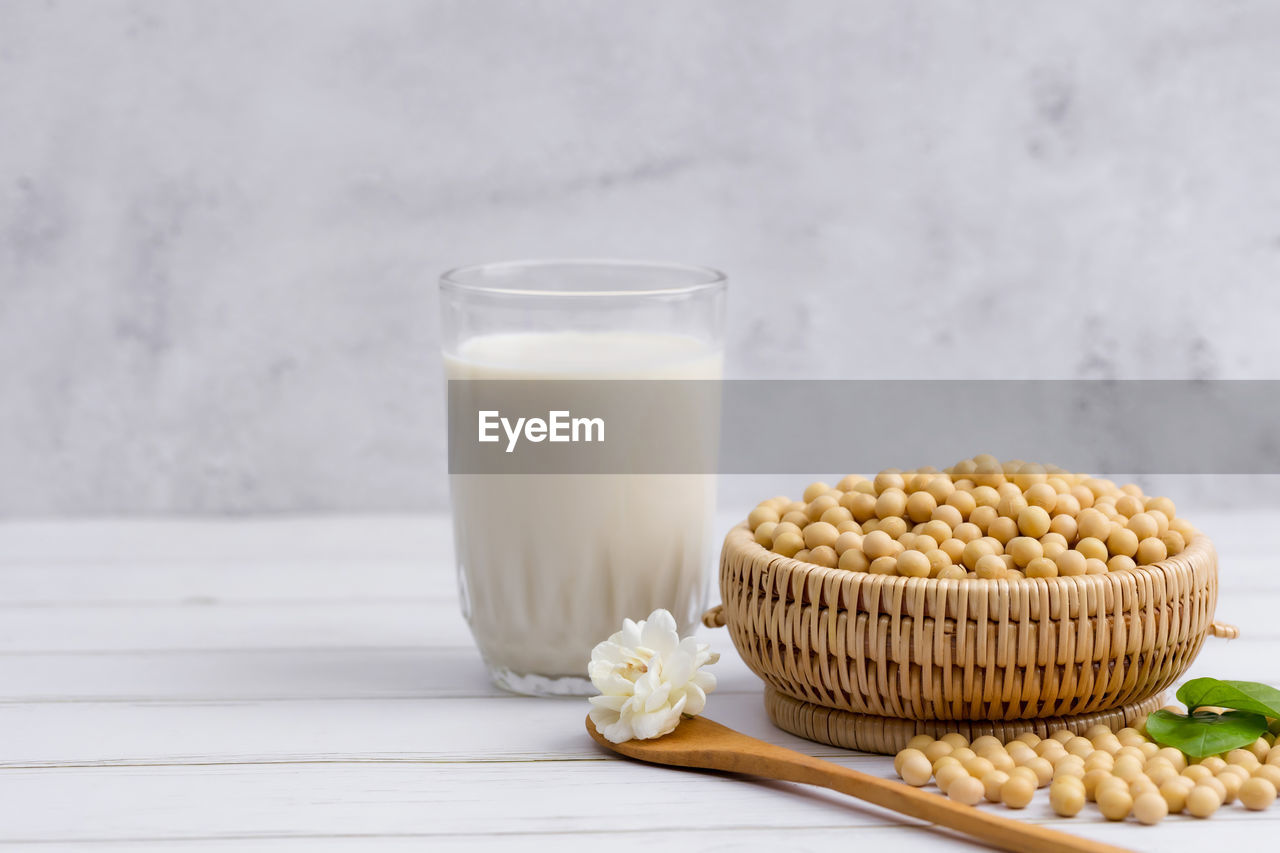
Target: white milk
column 549, row 565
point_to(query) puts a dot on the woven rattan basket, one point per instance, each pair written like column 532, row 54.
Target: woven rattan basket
column 865, row 661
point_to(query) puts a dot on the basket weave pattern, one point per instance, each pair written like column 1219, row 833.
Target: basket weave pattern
column 928, row 649
column 889, row 735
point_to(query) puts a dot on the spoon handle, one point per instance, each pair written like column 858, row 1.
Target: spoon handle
column 707, row 745
column 1004, row 833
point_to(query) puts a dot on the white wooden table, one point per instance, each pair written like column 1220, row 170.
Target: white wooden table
column 302, row 685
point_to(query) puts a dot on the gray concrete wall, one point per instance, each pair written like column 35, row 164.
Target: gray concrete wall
column 220, row 223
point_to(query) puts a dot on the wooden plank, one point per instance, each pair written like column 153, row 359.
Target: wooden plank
column 746, row 838
column 1176, row 834
column 605, row 798
column 215, row 675
column 339, row 624
column 254, row 625
column 282, row 580
column 277, row 674
column 218, row 675
column 320, row 799
column 95, row 542
column 313, row 706
column 175, row 561
column 506, row 728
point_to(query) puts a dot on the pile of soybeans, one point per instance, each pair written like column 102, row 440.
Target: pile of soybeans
column 1123, row 772
column 980, row 518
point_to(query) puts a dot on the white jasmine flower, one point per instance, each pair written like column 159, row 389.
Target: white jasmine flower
column 648, row 677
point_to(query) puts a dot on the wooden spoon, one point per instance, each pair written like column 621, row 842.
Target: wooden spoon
column 701, row 743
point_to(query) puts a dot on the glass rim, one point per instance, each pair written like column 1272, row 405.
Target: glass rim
column 705, row 278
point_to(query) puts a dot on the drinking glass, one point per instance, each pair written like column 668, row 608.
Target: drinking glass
column 549, row 564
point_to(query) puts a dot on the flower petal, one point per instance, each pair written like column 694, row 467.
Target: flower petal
column 697, row 699
column 705, row 680
column 658, row 698
column 655, row 724
column 659, row 633
column 619, row 732
column 609, row 703
column 679, row 667
column 603, row 718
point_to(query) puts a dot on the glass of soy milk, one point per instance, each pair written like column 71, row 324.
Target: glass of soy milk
column 549, row 564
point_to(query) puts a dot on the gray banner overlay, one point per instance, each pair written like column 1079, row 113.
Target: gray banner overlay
column 1106, row 427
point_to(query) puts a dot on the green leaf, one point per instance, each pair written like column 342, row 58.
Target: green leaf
column 1204, row 733
column 1239, row 695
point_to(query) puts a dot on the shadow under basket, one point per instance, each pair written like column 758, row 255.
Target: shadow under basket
column 866, row 661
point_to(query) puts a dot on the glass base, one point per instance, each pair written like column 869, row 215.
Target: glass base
column 541, row 685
